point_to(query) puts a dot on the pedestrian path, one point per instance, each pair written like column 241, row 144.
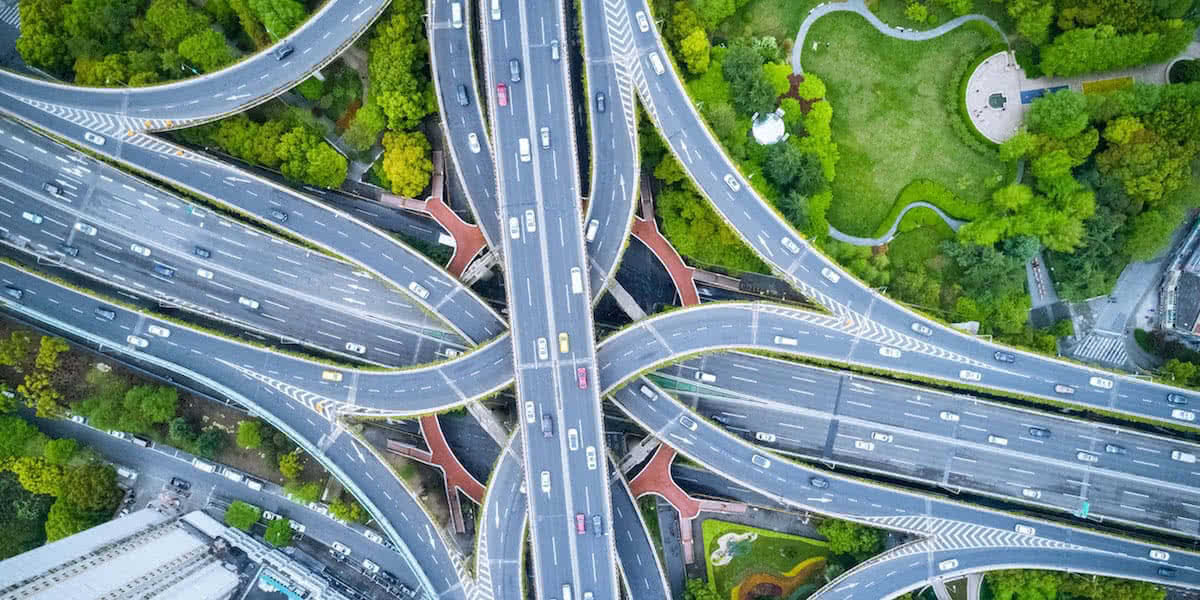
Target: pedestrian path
column 887, row 237
column 1101, row 348
column 10, row 13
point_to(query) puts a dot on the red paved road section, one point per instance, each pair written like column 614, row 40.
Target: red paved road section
column 655, row 478
column 681, row 274
column 455, row 477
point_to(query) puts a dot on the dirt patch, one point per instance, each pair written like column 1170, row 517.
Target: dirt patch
column 760, row 584
column 425, row 482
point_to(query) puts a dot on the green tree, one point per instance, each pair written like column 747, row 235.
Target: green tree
column 794, row 206
column 95, row 27
column 91, row 487
column 697, row 589
column 365, row 128
column 303, row 491
column 695, row 49
column 327, row 168
column 155, row 403
column 48, row 350
column 42, row 42
column 291, row 464
column 242, row 515
column 60, row 451
column 181, row 432
column 210, row 442
column 777, row 74
column 916, row 12
column 38, row 475
column 66, row 519
column 1180, row 371
column 669, row 171
column 713, row 12
column 249, row 434
column 406, row 164
column 1185, row 71
column 15, row 350
column 279, row 533
column 348, row 510
column 279, row 17
column 812, row 88
column 40, row 394
column 206, row 49
column 168, row 22
column 1060, row 115
column 19, row 437
column 682, row 23
column 848, row 537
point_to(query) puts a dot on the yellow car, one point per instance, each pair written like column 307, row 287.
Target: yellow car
column 564, row 343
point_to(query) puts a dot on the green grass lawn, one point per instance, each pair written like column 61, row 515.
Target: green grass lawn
column 889, row 118
column 771, row 552
column 892, row 13
column 779, row 18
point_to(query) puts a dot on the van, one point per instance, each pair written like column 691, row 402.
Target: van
column 785, row 341
column 495, row 10
column 205, row 466
column 647, row 392
column 997, row 440
column 576, row 280
column 523, row 145
column 656, row 62
column 456, row 15
column 703, row 377
column 1182, row 456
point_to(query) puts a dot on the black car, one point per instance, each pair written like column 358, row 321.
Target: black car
column 547, row 426
column 1166, row 571
column 201, row 251
column 14, row 293
column 181, row 484
column 1005, row 357
column 283, row 51
column 164, row 270
column 1039, row 432
column 68, row 250
column 1177, row 399
column 463, row 99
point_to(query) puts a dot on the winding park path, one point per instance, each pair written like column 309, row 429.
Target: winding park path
column 891, row 233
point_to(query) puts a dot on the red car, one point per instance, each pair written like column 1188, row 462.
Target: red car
column 581, row 374
column 580, row 524
column 502, row 94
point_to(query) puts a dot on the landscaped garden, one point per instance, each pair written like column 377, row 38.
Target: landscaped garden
column 761, row 563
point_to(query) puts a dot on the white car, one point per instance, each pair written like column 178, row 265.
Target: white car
column 371, row 535
column 530, row 414
column 297, row 526
column 530, row 221
column 545, row 135
column 732, row 183
column 137, row 342
column 922, row 329
column 880, row 436
column 546, row 482
column 514, row 228
column 946, row 565
column 93, row 138
column 1160, row 555
column 1102, row 383
column 120, row 435
column 542, row 351
column 1183, row 415
column 1025, row 529
column 946, row 415
column 591, row 458
column 1031, row 493
column 761, row 461
column 790, row 244
column 642, row 21
column 473, row 142
column 139, row 249
column 828, row 273
column 687, row 422
column 159, row 331
column 573, row 439
column 1087, row 457
column 418, row 289
column 341, row 548
column 204, row 274
column 864, row 445
column 270, row 516
column 764, row 436
column 85, row 228
column 369, row 566
column 356, row 348
column 969, row 375
column 592, row 227
column 889, row 352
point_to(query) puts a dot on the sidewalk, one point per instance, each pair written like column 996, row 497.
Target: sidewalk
column 646, row 230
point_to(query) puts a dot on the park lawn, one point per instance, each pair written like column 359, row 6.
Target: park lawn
column 889, row 116
column 778, row 18
column 892, row 13
column 772, row 552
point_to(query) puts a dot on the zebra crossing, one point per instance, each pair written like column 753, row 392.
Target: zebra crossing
column 1104, row 349
column 327, row 408
column 111, row 124
column 945, row 534
column 10, row 13
column 624, row 58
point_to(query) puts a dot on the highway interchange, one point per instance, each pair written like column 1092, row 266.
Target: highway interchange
column 537, row 189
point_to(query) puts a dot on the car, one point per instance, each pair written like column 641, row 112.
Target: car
column 864, row 445
column 530, row 221
column 968, row 375
column 34, row 218
column 1166, row 571
column 542, row 349
column 201, row 251
column 544, row 133
column 1183, row 415
column 297, row 526
column 1182, row 456
column 473, row 142
column 320, row 507
column 642, row 21
column 554, row 49
column 93, row 138
column 880, row 436
column 502, row 94
column 818, row 482
column 1031, row 493
column 946, row 415
column 105, row 314
column 164, row 270
column 1087, row 457
column 334, row 376
column 461, row 96
column 204, row 274
column 514, row 228
column 1064, row 389
column 590, row 452
column 139, row 249
column 580, row 523
column 687, row 422
column 158, row 330
column 829, row 274
column 1039, row 432
column 270, row 516
column 84, row 228
column 1101, row 382
column 1176, row 399
column 514, row 69
column 581, row 377
column 573, row 439
column 1024, row 529
column 546, row 482
column 181, row 484
column 789, row 244
column 764, row 436
column 1115, row 449
column 1004, row 357
column 921, row 329
column 369, row 566
column 249, row 303
column 418, row 289
column 80, row 419
column 120, row 435
column 592, row 228
column 731, row 182
column 761, row 461
column 279, row 215
column 547, row 425
column 600, row 101
column 997, row 440
column 68, row 250
column 137, row 342
column 704, row 377
column 52, row 189
column 371, row 535
column 597, row 530
column 564, row 342
column 1160, row 555
column 530, row 413
column 889, row 352
column 283, row 51
column 946, row 565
